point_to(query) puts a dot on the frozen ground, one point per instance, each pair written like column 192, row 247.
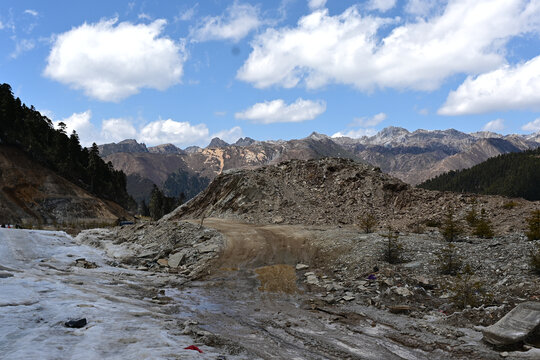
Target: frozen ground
column 41, row 288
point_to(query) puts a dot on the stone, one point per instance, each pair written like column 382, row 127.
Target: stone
column 400, row 309
column 76, row 324
column 301, row 266
column 505, row 354
column 278, row 219
column 82, row 262
column 515, row 326
column 403, row 291
column 312, row 280
column 207, row 248
column 348, row 297
column 176, row 258
column 163, row 262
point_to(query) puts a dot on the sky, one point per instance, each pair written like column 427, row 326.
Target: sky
column 183, row 72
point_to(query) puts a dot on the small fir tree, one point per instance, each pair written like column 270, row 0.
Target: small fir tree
column 467, row 289
column 393, row 249
column 367, row 222
column 483, row 227
column 472, row 217
column 449, row 260
column 451, row 228
column 533, row 223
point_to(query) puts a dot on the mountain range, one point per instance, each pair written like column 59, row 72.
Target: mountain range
column 412, row 157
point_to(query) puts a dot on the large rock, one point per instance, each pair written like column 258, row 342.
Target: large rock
column 515, row 326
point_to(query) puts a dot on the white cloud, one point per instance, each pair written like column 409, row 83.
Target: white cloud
column 365, row 125
column 494, row 125
column 533, row 126
column 187, row 14
column 111, row 61
column 175, row 132
column 31, row 12
column 117, row 129
column 507, row 88
column 316, row 4
column 381, row 5
column 237, row 22
column 468, row 37
column 230, row 136
column 369, row 121
column 355, row 134
column 277, row 111
column 144, row 16
column 420, row 7
column 22, row 46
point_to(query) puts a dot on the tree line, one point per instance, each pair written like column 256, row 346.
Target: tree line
column 25, row 128
column 512, row 175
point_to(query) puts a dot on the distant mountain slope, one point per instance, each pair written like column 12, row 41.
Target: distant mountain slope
column 514, row 175
column 33, row 194
column 410, row 156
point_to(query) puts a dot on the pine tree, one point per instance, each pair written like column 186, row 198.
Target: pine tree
column 393, row 249
column 483, row 227
column 368, row 222
column 451, row 228
column 156, row 204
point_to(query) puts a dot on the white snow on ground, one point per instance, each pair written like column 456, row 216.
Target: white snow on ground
column 41, row 288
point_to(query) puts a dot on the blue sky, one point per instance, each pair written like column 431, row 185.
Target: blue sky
column 186, row 71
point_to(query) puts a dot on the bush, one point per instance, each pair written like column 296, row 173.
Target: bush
column 393, row 250
column 451, row 228
column 468, row 291
column 367, row 222
column 483, row 227
column 510, row 205
column 449, row 260
column 534, row 225
column 535, row 259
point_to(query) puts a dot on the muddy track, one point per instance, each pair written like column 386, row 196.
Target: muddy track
column 251, row 246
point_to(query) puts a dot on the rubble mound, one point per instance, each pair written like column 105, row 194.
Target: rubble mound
column 336, row 191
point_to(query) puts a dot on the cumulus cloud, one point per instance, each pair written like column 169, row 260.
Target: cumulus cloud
column 355, row 134
column 235, row 24
column 117, row 129
column 381, row 5
column 277, row 111
column 533, row 126
column 494, row 125
column 467, row 37
column 507, row 88
column 230, row 136
column 369, row 121
column 111, row 61
column 175, row 132
column 316, row 4
column 365, row 126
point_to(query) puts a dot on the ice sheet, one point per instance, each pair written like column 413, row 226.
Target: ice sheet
column 46, row 290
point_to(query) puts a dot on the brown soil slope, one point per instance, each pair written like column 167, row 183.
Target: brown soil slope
column 32, row 194
column 339, row 191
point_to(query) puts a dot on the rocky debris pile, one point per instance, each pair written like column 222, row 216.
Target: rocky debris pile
column 173, row 246
column 347, row 268
column 339, row 191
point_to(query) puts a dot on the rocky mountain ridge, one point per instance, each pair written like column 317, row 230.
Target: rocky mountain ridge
column 410, row 156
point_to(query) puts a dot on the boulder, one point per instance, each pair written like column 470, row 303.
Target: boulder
column 301, row 266
column 515, row 326
column 176, row 258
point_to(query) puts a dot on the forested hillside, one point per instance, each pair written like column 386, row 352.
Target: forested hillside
column 25, row 128
column 513, row 175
